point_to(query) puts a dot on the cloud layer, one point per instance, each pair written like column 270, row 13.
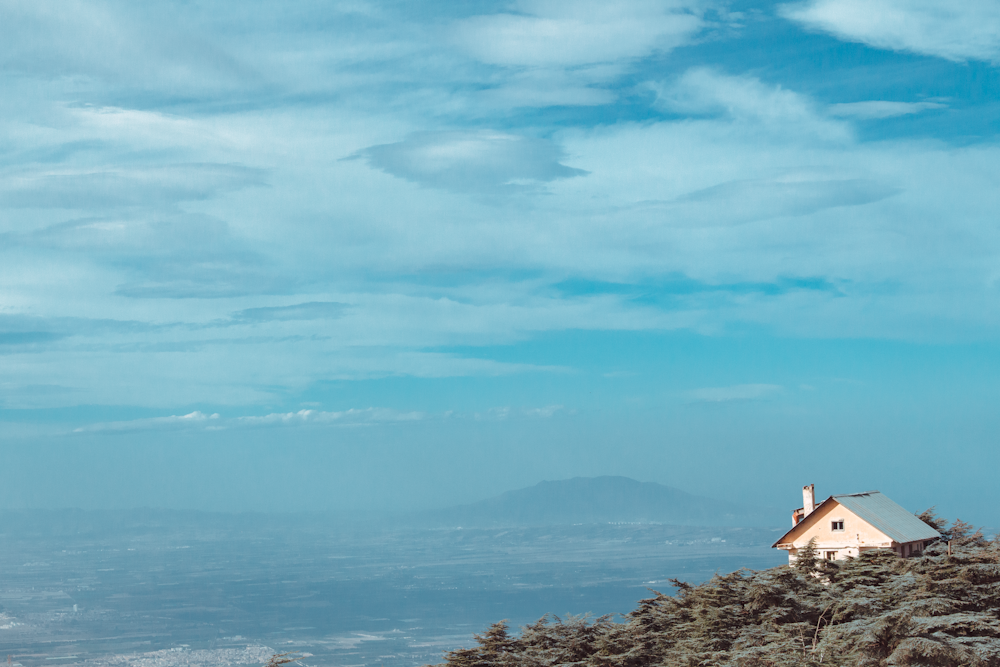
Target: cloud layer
column 559, row 33
column 956, row 31
column 206, row 209
column 740, row 392
column 472, row 161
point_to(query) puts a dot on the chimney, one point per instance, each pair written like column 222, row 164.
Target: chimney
column 808, row 500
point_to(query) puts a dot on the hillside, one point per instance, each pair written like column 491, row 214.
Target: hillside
column 596, row 500
column 875, row 610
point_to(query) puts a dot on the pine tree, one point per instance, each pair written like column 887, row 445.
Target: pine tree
column 933, row 520
column 806, row 560
column 494, row 650
column 877, row 609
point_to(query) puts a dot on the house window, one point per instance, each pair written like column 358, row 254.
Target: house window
column 830, row 555
column 837, row 525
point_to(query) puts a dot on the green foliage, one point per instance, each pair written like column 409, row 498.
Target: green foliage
column 875, row 610
column 933, row 520
column 806, row 560
column 495, row 649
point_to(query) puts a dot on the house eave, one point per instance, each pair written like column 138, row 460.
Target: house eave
column 815, row 509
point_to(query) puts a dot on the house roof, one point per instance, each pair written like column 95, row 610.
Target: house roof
column 877, row 510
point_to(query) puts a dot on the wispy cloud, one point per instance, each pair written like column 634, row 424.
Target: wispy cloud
column 346, row 417
column 507, row 412
column 734, row 393
column 788, row 195
column 953, row 30
column 194, row 419
column 746, row 99
column 561, row 33
column 28, row 337
column 875, row 109
column 201, row 421
column 160, row 253
column 352, row 417
column 544, row 412
column 180, row 226
column 472, row 161
column 89, row 39
column 312, row 310
column 140, row 186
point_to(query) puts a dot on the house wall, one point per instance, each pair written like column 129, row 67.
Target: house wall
column 857, row 535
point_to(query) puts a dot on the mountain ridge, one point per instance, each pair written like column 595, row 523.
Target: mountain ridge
column 604, row 499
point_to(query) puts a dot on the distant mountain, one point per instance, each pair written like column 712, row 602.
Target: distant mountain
column 581, row 500
column 596, row 500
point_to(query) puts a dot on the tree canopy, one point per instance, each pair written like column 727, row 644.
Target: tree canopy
column 878, row 609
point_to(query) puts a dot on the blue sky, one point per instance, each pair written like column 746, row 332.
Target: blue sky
column 403, row 254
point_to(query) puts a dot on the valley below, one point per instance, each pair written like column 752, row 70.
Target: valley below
column 189, row 589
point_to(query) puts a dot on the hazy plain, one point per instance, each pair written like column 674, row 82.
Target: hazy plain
column 156, row 589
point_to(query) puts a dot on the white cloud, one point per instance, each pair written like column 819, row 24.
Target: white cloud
column 352, row 416
column 507, row 412
column 793, row 194
column 194, row 419
column 104, row 189
column 740, row 195
column 746, row 99
column 749, row 184
column 569, row 33
column 200, row 420
column 874, row 109
column 968, row 30
column 471, row 161
column 91, row 40
column 739, row 392
column 544, row 87
column 544, row 412
column 494, row 414
column 313, row 310
column 570, row 53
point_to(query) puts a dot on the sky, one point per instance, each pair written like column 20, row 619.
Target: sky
column 382, row 255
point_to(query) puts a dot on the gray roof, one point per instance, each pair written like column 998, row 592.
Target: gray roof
column 877, row 510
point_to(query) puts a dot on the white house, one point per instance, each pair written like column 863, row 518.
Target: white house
column 844, row 526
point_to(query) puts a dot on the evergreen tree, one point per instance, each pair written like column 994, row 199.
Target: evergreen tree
column 806, row 559
column 933, row 520
column 874, row 610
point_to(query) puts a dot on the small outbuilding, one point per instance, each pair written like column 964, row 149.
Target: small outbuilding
column 844, row 526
